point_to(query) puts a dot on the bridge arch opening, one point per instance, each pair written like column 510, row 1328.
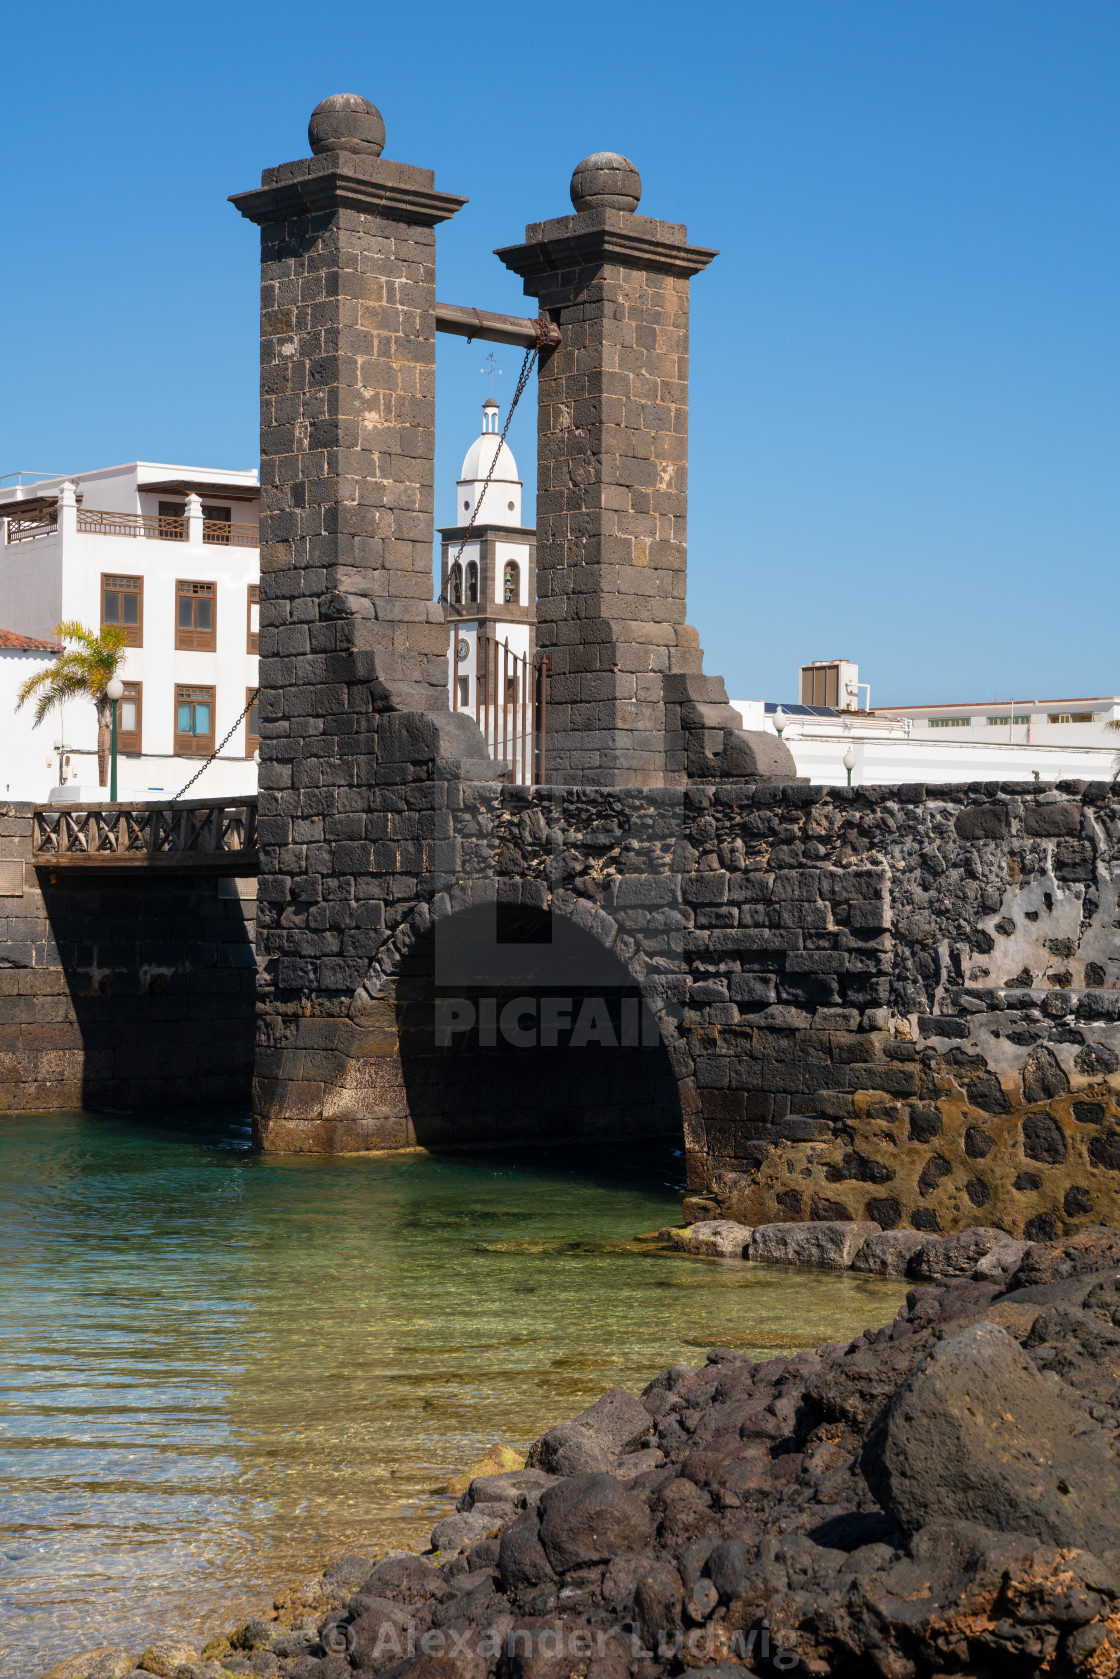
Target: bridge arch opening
column 519, row 1028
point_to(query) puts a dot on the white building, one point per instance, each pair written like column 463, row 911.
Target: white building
column 27, row 761
column 488, row 586
column 989, row 740
column 1078, row 723
column 172, row 554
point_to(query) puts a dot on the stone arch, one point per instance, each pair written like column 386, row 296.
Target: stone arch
column 594, row 1055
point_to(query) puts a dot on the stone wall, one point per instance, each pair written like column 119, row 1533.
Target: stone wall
column 121, row 988
column 895, row 1003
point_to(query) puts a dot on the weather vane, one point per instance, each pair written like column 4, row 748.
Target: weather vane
column 491, row 370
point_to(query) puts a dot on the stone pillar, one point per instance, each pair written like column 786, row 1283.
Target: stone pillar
column 629, row 703
column 353, row 650
column 348, row 340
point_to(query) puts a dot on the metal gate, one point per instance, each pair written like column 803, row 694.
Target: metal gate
column 510, row 706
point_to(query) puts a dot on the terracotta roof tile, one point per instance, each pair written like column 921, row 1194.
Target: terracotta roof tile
column 17, row 643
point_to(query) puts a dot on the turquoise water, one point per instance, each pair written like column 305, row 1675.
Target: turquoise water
column 220, row 1370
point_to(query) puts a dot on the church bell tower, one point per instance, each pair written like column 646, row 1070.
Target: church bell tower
column 488, row 581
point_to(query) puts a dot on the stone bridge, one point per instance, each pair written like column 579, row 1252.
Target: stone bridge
column 896, row 1003
column 888, row 1003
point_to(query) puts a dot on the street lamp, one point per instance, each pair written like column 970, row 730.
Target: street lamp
column 780, row 721
column 849, row 763
column 114, row 688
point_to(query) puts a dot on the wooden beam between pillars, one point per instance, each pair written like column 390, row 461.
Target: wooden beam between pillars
column 529, row 333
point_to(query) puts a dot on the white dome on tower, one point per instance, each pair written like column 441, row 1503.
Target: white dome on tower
column 502, row 502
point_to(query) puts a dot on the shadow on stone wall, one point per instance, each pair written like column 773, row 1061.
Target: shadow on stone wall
column 149, row 991
column 517, row 1029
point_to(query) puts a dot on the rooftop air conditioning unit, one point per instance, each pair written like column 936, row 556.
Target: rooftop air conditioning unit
column 830, row 682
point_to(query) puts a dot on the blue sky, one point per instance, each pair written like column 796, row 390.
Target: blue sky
column 904, row 361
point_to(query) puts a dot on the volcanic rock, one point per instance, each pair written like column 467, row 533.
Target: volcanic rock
column 976, row 1434
column 830, row 1244
column 887, row 1253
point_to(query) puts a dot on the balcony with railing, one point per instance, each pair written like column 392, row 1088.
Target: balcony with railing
column 158, row 527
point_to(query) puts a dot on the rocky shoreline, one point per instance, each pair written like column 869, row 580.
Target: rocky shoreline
column 939, row 1496
column 981, row 1251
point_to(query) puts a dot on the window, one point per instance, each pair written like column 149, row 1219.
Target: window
column 455, row 587
column 173, row 521
column 122, row 602
column 472, row 582
column 225, row 514
column 253, row 623
column 1020, row 717
column 511, row 584
column 196, row 629
column 464, row 692
column 1073, row 717
column 252, row 723
column 194, row 722
column 949, row 722
column 130, row 718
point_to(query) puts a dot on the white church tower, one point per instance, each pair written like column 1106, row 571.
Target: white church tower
column 489, row 590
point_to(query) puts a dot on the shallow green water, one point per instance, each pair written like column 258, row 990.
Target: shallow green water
column 220, row 1370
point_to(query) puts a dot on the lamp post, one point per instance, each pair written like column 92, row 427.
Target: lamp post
column 849, row 763
column 114, row 688
column 780, row 721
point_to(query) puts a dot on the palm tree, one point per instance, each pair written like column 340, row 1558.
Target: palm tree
column 86, row 666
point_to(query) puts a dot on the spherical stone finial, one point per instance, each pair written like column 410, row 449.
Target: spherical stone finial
column 345, row 122
column 605, row 181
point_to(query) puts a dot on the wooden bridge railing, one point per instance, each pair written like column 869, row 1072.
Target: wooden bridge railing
column 196, row 836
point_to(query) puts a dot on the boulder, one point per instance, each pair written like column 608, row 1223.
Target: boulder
column 166, row 1656
column 720, row 1238
column 257, row 1632
column 569, row 1449
column 954, row 1256
column 976, row 1434
column 639, row 1463
column 106, row 1662
column 519, row 1489
column 521, row 1556
column 590, row 1519
column 1001, row 1261
column 378, row 1635
column 617, row 1420
column 827, row 1244
column 1094, row 1249
column 727, row 1567
column 658, row 1598
column 346, row 1573
column 404, row 1578
column 498, row 1460
column 698, row 1207
column 887, row 1253
column 455, row 1533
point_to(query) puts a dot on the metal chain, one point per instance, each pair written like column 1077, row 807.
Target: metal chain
column 522, row 381
column 248, row 705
